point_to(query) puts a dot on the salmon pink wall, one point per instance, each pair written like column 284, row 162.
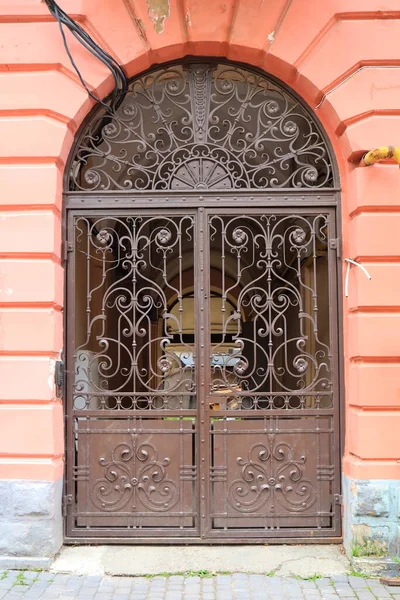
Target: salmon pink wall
column 338, row 55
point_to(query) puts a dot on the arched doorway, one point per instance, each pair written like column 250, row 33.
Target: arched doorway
column 202, row 322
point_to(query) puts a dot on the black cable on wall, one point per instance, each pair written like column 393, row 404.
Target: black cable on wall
column 120, row 79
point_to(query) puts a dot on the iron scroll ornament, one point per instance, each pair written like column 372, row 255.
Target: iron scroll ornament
column 283, row 352
column 272, row 475
column 202, row 127
column 134, row 473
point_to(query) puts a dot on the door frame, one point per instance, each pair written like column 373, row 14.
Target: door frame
column 284, row 201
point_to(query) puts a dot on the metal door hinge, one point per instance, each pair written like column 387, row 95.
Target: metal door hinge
column 67, row 501
column 59, row 379
column 334, row 244
column 339, row 502
column 68, row 247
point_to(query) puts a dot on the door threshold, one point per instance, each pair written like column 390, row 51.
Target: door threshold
column 175, row 541
column 294, row 560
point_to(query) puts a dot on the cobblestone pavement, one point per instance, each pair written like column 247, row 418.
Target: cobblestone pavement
column 29, row 585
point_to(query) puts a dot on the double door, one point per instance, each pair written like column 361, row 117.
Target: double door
column 202, row 387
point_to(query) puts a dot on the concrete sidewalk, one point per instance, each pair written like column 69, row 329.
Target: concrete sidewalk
column 287, row 561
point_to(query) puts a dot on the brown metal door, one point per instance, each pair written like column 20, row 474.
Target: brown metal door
column 272, row 379
column 202, row 389
column 132, row 375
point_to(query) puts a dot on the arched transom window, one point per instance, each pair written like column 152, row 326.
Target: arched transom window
column 202, row 126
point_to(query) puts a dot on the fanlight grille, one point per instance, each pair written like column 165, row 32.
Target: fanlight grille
column 202, row 127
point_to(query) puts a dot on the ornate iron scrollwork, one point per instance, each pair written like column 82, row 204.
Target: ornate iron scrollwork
column 279, row 352
column 134, row 470
column 202, row 126
column 272, row 475
column 127, row 358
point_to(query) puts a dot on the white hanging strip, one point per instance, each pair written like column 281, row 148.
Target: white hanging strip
column 350, row 262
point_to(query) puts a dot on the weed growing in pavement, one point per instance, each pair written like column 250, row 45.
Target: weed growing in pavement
column 354, row 573
column 3, row 575
column 203, row 573
column 20, row 579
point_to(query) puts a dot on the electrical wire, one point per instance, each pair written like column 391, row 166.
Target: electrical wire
column 120, row 79
column 77, row 30
column 96, row 98
column 350, row 262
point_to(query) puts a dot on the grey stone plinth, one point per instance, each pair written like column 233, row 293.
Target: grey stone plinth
column 371, row 523
column 373, row 499
column 4, row 498
column 30, row 521
column 34, row 499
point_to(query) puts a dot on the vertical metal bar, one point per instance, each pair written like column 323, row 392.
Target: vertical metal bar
column 134, row 293
column 70, row 367
column 202, row 367
column 334, row 264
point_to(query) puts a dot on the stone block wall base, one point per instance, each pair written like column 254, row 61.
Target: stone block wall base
column 371, row 528
column 25, row 562
column 375, row 566
column 31, row 525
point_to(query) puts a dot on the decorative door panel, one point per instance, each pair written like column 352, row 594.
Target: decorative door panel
column 272, row 474
column 136, row 474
